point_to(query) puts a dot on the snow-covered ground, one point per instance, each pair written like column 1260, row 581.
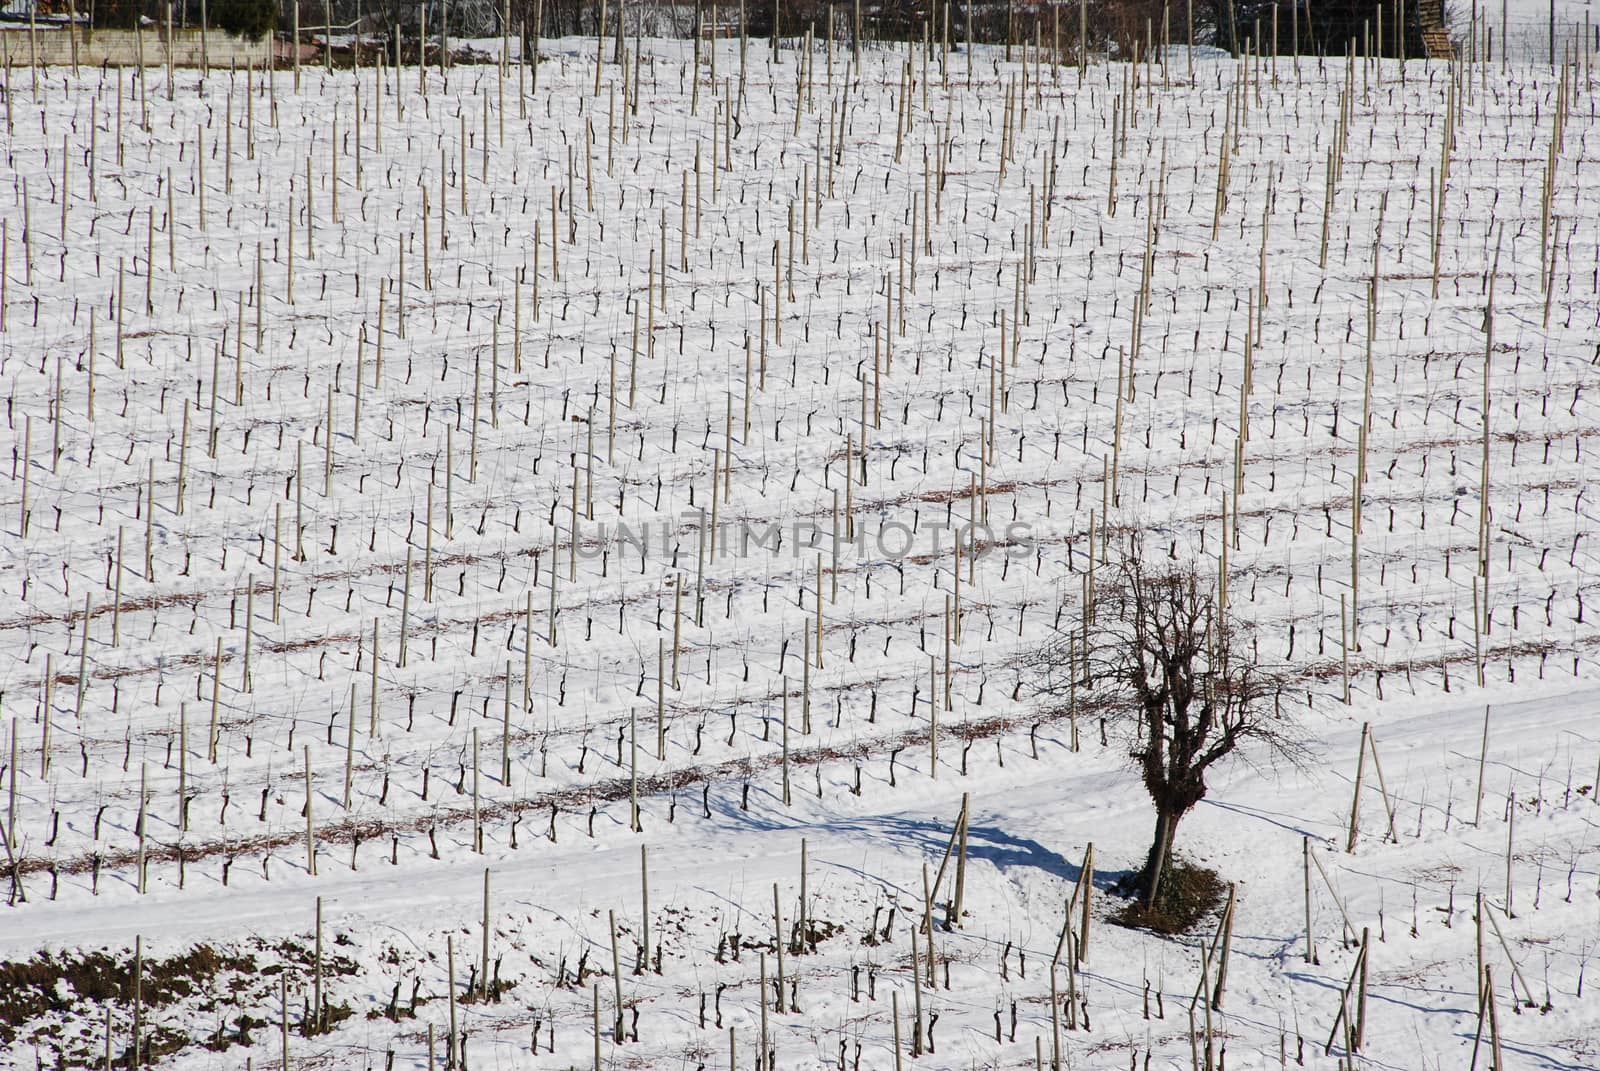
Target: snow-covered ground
column 467, row 616
column 1521, row 31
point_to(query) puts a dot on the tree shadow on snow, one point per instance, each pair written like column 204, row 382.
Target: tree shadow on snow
column 1007, row 851
column 929, row 838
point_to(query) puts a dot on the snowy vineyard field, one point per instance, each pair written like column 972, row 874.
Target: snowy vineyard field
column 530, row 522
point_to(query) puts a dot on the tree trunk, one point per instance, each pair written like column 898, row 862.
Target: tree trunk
column 1160, row 854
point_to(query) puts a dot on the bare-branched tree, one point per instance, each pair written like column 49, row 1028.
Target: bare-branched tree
column 1166, row 662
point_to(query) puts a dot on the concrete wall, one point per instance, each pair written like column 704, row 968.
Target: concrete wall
column 120, row 48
